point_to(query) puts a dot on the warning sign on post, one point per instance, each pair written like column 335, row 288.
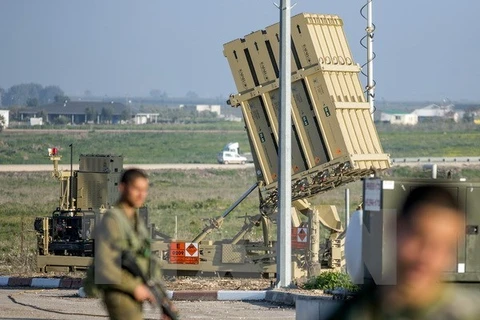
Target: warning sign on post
column 372, row 194
column 184, row 253
column 299, row 238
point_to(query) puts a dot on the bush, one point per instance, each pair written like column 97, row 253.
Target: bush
column 330, row 280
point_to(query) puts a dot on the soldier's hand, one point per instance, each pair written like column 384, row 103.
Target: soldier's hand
column 173, row 309
column 142, row 293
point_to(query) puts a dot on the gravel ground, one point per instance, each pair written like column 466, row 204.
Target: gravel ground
column 64, row 304
column 194, row 283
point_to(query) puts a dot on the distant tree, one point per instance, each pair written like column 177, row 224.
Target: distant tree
column 191, row 95
column 126, row 115
column 43, row 114
column 15, row 113
column 158, row 94
column 48, row 94
column 61, row 120
column 61, row 98
column 2, row 122
column 91, row 113
column 107, row 114
column 32, row 102
column 19, row 94
column 207, row 114
column 2, row 92
column 468, row 117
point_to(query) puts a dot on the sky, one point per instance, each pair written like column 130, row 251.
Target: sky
column 426, row 50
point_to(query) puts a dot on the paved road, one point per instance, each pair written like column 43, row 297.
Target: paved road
column 438, row 160
column 175, row 166
column 75, row 131
column 64, row 304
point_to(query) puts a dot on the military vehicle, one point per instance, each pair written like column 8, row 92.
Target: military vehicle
column 334, row 142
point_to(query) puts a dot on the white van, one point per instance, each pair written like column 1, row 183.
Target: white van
column 227, row 157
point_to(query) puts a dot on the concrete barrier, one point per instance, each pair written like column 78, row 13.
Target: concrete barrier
column 236, row 295
column 315, row 307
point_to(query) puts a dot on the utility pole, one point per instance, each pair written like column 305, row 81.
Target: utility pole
column 284, row 222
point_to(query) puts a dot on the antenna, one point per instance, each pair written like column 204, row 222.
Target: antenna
column 370, row 89
column 70, row 200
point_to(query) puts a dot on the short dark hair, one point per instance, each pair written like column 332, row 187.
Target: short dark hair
column 130, row 175
column 428, row 195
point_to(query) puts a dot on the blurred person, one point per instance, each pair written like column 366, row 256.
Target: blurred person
column 122, row 229
column 429, row 227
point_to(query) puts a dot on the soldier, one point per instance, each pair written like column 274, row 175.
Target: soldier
column 121, row 229
column 428, row 228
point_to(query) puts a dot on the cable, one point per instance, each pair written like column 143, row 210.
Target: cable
column 370, row 33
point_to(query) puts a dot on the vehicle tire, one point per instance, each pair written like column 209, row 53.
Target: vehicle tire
column 243, row 162
column 225, row 162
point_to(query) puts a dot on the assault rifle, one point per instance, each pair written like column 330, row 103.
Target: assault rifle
column 159, row 292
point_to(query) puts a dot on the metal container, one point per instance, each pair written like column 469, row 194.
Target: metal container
column 100, row 163
column 334, row 139
column 391, row 195
column 97, row 190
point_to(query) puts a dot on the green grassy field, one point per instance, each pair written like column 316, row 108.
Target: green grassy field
column 192, row 196
column 208, row 125
column 201, row 145
column 140, row 148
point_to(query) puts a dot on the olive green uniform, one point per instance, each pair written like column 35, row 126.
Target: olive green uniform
column 454, row 304
column 116, row 233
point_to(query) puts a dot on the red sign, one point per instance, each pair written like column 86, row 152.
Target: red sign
column 299, row 238
column 184, row 253
column 192, row 250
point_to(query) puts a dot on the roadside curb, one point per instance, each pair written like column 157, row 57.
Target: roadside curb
column 187, row 295
column 47, row 283
column 273, row 296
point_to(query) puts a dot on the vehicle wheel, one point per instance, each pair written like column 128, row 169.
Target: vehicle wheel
column 243, row 162
column 225, row 162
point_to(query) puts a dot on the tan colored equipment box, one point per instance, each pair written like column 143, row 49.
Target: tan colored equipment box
column 391, row 195
column 100, row 163
column 334, row 140
column 97, row 190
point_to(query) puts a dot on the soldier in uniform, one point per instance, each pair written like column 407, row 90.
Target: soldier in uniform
column 428, row 229
column 122, row 229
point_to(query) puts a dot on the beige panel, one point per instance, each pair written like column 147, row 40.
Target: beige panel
column 355, row 78
column 308, row 51
column 260, row 127
column 377, row 148
column 358, row 132
column 298, row 157
column 325, row 111
column 366, row 134
column 234, row 52
column 263, row 64
column 314, row 145
column 273, row 36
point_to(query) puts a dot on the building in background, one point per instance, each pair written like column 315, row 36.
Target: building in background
column 6, row 117
column 144, row 118
column 410, row 119
column 78, row 112
column 36, row 122
column 214, row 108
column 434, row 112
column 398, row 118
